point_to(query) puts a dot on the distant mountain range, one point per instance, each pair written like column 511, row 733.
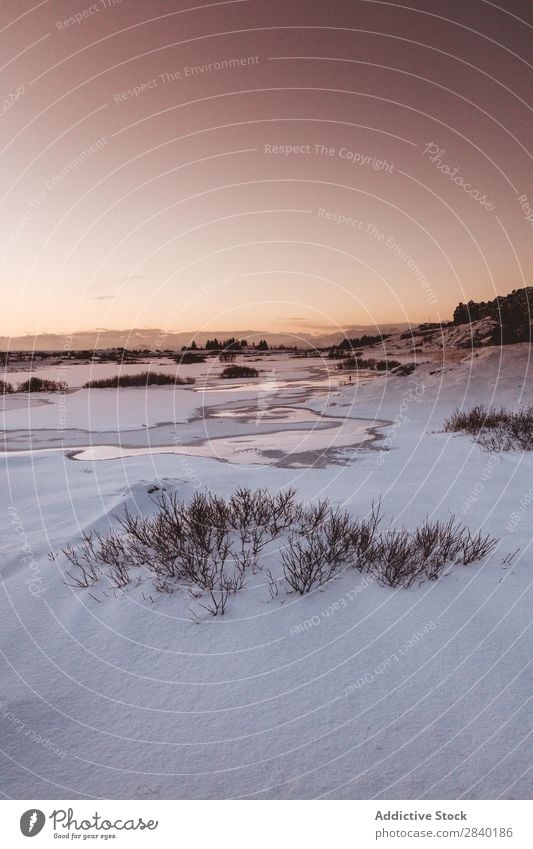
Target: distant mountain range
column 157, row 339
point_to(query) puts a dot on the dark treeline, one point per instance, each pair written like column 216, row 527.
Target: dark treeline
column 349, row 345
column 233, row 344
column 512, row 315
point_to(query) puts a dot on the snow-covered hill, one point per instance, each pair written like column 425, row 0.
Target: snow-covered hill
column 352, row 691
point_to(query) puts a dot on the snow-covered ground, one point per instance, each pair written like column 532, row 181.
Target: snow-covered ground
column 353, row 691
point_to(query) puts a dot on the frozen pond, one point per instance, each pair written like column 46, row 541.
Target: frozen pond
column 314, row 444
column 284, row 436
column 271, row 385
column 264, row 421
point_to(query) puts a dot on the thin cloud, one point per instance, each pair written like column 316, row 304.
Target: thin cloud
column 308, row 322
column 103, row 297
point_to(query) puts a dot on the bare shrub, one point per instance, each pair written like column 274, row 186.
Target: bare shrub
column 304, row 565
column 210, row 545
column 324, row 542
column 495, row 430
column 283, row 511
column 473, row 420
column 204, row 558
column 259, row 508
column 404, row 369
column 400, row 558
column 144, row 378
column 356, row 361
column 439, row 543
column 248, row 508
column 311, row 517
column 194, row 545
column 397, row 560
column 85, row 559
column 387, row 365
column 188, row 358
column 258, row 518
column 156, row 543
column 476, row 546
column 38, row 384
column 231, row 372
column 364, row 536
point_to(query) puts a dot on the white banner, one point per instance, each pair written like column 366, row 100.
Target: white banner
column 268, row 824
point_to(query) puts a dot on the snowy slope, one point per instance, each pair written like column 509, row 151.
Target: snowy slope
column 354, row 691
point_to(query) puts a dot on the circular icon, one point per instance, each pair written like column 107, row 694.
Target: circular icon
column 32, row 822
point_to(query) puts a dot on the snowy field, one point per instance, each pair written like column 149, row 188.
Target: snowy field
column 352, row 691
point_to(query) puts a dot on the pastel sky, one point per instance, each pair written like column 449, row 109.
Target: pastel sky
column 291, row 166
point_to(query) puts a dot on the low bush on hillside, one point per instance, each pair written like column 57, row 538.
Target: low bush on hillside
column 338, row 354
column 190, row 358
column 38, row 384
column 5, row 387
column 495, row 430
column 403, row 369
column 211, row 546
column 144, row 378
column 357, row 362
column 238, row 371
column 387, row 365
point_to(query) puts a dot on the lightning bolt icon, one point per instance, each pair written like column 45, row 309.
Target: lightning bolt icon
column 33, row 820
